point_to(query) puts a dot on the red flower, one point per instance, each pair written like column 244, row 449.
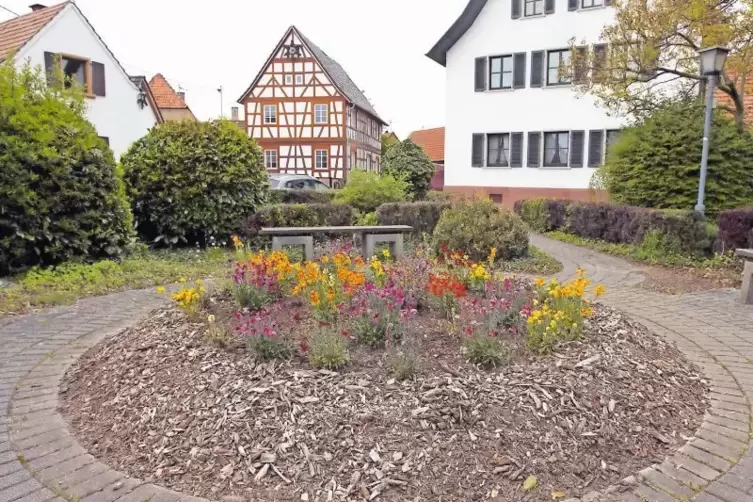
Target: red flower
column 304, row 347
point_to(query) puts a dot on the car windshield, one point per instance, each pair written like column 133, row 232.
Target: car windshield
column 274, row 182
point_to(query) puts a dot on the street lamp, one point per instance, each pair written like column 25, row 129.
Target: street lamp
column 712, row 64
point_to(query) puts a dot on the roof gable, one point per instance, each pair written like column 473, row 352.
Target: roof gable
column 431, row 142
column 439, row 52
column 336, row 74
column 142, row 84
column 164, row 94
column 17, row 32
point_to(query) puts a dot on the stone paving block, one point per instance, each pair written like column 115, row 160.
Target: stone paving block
column 10, row 467
column 714, row 396
column 721, row 452
column 45, row 449
column 20, row 435
column 78, row 476
column 14, row 478
column 41, row 495
column 114, row 491
column 681, row 475
column 744, row 483
column 648, row 493
column 707, row 497
column 728, row 493
column 734, row 444
column 41, row 439
column 19, row 489
column 728, row 423
column 740, row 417
column 150, row 493
column 666, row 484
column 73, row 450
column 700, row 469
column 94, row 484
column 63, row 468
column 737, row 435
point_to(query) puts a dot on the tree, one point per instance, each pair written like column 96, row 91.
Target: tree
column 389, row 139
column 406, row 160
column 651, row 54
column 60, row 195
column 191, row 182
column 367, row 190
column 655, row 164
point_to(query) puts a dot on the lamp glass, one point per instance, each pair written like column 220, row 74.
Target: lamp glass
column 712, row 60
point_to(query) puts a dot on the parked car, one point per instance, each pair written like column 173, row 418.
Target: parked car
column 296, row 182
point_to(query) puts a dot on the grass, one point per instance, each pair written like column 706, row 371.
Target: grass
column 536, row 263
column 649, row 254
column 69, row 282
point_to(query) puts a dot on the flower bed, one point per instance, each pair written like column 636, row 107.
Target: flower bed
column 343, row 379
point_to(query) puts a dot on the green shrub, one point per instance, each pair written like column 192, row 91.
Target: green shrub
column 298, row 215
column 485, row 350
column 300, row 197
column 191, row 182
column 60, row 194
column 269, row 348
column 367, row 190
column 535, row 214
column 422, row 216
column 252, row 297
column 403, row 365
column 367, row 220
column 328, row 350
column 656, row 163
column 407, row 161
column 477, row 226
column 438, row 196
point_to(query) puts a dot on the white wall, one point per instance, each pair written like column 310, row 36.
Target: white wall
column 519, row 110
column 116, row 115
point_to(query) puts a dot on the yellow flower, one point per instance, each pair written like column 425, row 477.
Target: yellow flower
column 211, row 318
column 199, row 281
column 540, row 282
column 325, row 259
column 386, row 252
column 161, row 290
column 314, row 297
column 599, row 290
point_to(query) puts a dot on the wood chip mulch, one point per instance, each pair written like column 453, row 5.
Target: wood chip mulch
column 159, row 403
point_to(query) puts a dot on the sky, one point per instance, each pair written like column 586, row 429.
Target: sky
column 202, row 45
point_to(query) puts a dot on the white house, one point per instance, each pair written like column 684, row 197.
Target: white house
column 120, row 108
column 515, row 126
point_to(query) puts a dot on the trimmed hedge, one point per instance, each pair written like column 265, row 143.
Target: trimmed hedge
column 422, row 216
column 736, row 228
column 298, row 215
column 300, row 197
column 681, row 232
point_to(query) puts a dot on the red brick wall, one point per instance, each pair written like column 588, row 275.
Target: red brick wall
column 510, row 195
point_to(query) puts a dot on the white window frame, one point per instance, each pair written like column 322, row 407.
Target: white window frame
column 591, row 4
column 299, row 79
column 270, row 118
column 534, row 3
column 271, row 156
column 567, row 154
column 547, row 68
column 317, row 158
column 317, row 108
column 508, row 150
column 501, row 72
column 288, row 79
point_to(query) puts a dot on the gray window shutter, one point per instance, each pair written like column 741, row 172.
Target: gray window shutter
column 577, row 139
column 579, row 65
column 572, row 5
column 515, row 8
column 549, row 7
column 534, row 149
column 599, row 59
column 516, row 149
column 519, row 71
column 50, row 59
column 477, row 156
column 595, row 148
column 98, row 79
column 480, row 80
column 537, row 68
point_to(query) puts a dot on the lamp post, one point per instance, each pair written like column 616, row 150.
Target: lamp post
column 712, row 64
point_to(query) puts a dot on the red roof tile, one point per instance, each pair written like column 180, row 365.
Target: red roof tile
column 15, row 33
column 164, row 94
column 431, row 141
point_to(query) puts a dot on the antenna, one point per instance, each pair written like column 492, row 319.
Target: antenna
column 221, row 106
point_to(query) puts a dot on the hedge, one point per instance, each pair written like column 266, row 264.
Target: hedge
column 681, row 232
column 298, row 215
column 422, row 216
column 300, row 197
column 736, row 228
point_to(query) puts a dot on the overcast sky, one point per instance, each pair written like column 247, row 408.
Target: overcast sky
column 204, row 45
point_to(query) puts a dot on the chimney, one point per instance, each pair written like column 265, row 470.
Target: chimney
column 37, row 6
column 234, row 113
column 182, row 95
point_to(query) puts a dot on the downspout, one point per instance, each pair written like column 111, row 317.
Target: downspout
column 346, row 161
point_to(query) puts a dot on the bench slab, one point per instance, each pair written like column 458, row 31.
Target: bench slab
column 390, row 229
column 746, row 254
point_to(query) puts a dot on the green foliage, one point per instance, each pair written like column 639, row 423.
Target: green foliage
column 251, row 297
column 60, row 194
column 486, row 351
column 656, row 164
column 403, row 365
column 388, row 141
column 298, row 215
column 300, row 196
column 328, row 350
column 367, row 190
column 422, row 216
column 367, row 220
column 191, row 182
column 407, row 161
column 479, row 225
column 269, row 348
column 68, row 282
column 438, row 196
column 536, row 262
column 218, row 334
column 535, row 214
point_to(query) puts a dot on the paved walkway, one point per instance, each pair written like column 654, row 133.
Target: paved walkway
column 41, row 461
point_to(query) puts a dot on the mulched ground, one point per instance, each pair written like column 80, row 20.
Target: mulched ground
column 159, row 403
column 681, row 280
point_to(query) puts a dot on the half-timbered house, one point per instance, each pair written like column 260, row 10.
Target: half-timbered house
column 308, row 116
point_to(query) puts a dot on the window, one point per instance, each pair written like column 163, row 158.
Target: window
column 288, row 79
column 270, row 114
column 556, row 64
column 321, row 159
column 500, row 72
column 534, row 7
column 587, row 4
column 75, row 70
column 299, row 80
column 556, row 147
column 612, row 136
column 270, row 159
column 496, row 198
column 498, row 150
column 320, row 114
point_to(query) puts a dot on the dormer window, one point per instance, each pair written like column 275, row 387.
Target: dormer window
column 534, row 8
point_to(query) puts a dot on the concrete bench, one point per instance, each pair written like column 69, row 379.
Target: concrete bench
column 304, row 236
column 747, row 292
